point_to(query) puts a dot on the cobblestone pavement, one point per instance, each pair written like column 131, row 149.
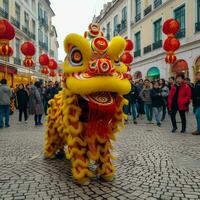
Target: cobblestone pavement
column 153, row 163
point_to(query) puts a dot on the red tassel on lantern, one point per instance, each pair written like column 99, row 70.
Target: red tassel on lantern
column 28, row 62
column 170, row 59
column 52, row 73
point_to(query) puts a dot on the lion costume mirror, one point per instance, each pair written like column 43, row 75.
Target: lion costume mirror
column 84, row 117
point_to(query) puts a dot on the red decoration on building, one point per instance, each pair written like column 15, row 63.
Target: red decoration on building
column 28, row 62
column 171, row 26
column 7, row 31
column 127, row 58
column 28, row 48
column 52, row 73
column 52, row 64
column 180, row 66
column 44, row 59
column 44, row 70
column 129, row 45
column 171, row 44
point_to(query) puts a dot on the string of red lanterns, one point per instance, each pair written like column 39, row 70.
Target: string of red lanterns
column 7, row 33
column 44, row 62
column 52, row 66
column 171, row 44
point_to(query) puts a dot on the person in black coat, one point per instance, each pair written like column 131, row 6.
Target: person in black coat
column 22, row 100
column 196, row 102
column 132, row 101
column 157, row 101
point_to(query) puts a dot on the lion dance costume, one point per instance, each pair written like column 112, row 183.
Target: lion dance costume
column 84, row 117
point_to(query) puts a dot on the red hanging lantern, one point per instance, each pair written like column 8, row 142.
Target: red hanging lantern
column 127, row 58
column 170, row 59
column 44, row 59
column 28, row 48
column 7, row 31
column 129, row 45
column 171, row 44
column 52, row 64
column 52, row 73
column 28, row 62
column 171, row 26
column 45, row 70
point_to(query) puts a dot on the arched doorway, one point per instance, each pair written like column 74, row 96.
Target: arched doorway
column 137, row 75
column 153, row 73
column 180, row 66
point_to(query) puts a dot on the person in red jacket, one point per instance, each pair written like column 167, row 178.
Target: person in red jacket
column 179, row 100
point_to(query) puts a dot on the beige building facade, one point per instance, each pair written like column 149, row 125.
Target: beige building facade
column 32, row 20
column 141, row 21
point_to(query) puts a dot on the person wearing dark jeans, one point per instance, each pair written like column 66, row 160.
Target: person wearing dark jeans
column 179, row 100
column 4, row 112
column 21, row 112
column 5, row 95
column 38, row 119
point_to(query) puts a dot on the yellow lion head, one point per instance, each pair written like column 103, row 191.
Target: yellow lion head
column 92, row 64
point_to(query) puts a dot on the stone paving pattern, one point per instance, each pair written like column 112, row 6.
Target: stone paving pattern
column 152, row 163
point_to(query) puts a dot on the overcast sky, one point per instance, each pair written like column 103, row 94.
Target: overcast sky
column 73, row 16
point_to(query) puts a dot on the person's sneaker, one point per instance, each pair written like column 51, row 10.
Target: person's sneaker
column 7, row 126
column 19, row 122
column 182, row 131
column 40, row 124
column 195, row 133
column 26, row 122
column 159, row 124
column 174, row 130
column 135, row 122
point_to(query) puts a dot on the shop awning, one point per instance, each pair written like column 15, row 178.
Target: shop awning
column 153, row 71
column 10, row 70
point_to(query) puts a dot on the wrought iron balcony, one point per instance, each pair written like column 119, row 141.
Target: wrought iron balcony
column 157, row 3
column 137, row 53
column 138, row 17
column 41, row 44
column 17, row 61
column 3, row 13
column 15, row 22
column 181, row 33
column 148, row 10
column 45, row 23
column 147, row 49
column 157, row 44
column 197, row 27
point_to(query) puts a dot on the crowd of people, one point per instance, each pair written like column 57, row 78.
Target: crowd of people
column 153, row 98
column 30, row 99
column 157, row 98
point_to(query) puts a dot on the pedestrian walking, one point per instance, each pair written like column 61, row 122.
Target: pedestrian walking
column 146, row 98
column 35, row 103
column 179, row 100
column 157, row 102
column 22, row 99
column 165, row 93
column 196, row 102
column 5, row 96
column 140, row 103
column 132, row 100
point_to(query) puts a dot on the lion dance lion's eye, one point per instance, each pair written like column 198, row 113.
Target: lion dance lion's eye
column 117, row 62
column 75, row 57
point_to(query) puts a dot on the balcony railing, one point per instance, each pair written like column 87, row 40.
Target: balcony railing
column 45, row 23
column 17, row 61
column 15, row 22
column 181, row 33
column 43, row 45
column 157, row 44
column 137, row 53
column 147, row 10
column 3, row 13
column 147, row 49
column 197, row 27
column 157, row 3
column 115, row 32
column 138, row 17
